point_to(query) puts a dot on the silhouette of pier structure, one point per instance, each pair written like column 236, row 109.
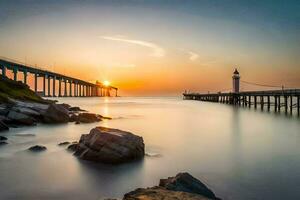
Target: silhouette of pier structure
column 279, row 100
column 67, row 86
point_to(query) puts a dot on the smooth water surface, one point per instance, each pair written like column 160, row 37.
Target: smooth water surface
column 239, row 153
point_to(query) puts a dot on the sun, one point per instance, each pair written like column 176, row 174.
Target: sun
column 106, row 83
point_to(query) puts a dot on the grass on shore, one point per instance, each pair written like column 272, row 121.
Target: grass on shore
column 10, row 89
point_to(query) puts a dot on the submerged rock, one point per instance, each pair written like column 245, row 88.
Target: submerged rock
column 37, row 148
column 3, row 143
column 109, row 145
column 56, row 113
column 63, row 143
column 3, row 138
column 88, row 117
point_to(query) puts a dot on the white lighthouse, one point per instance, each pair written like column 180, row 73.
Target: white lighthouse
column 236, row 81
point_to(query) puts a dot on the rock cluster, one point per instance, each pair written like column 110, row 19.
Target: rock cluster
column 19, row 113
column 109, row 145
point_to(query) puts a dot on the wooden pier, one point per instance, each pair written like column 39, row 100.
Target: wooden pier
column 286, row 100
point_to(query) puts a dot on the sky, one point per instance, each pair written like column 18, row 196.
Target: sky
column 157, row 47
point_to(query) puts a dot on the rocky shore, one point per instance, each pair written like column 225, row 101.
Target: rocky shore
column 20, row 106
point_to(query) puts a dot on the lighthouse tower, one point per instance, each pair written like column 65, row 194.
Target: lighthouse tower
column 236, row 81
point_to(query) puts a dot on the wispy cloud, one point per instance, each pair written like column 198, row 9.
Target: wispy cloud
column 193, row 56
column 157, row 51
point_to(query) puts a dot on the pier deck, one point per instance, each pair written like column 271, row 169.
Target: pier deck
column 288, row 99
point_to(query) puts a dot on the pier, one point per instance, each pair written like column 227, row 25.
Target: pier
column 284, row 100
column 67, row 86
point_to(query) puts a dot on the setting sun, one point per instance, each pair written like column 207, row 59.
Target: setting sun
column 106, row 83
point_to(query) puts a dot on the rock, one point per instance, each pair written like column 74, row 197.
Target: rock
column 185, row 182
column 37, row 148
column 109, row 118
column 4, row 110
column 182, row 186
column 77, row 122
column 159, row 193
column 3, row 126
column 66, row 106
column 73, row 146
column 56, row 113
column 109, row 145
column 73, row 118
column 26, row 111
column 20, row 118
column 88, row 117
column 63, row 143
column 3, row 143
column 3, row 138
column 76, row 109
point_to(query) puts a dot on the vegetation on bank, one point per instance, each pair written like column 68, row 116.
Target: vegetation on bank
column 10, row 89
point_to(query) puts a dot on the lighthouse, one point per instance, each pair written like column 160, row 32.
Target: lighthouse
column 236, row 81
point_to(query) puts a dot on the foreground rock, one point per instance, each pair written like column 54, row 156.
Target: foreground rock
column 37, row 148
column 56, row 113
column 109, row 145
column 158, row 193
column 181, row 187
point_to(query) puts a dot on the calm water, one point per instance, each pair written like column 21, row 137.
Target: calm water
column 239, row 153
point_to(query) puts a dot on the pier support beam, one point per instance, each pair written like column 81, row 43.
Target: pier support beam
column 15, row 71
column 291, row 105
column 279, row 104
column 268, row 102
column 70, row 89
column 53, row 87
column 49, row 92
column 25, row 77
column 35, row 81
column 44, row 85
column 65, row 90
column 59, row 87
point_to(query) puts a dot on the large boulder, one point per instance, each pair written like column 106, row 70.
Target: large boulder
column 56, row 113
column 20, row 118
column 109, row 145
column 185, row 182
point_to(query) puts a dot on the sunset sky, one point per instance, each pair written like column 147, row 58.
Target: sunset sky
column 157, row 47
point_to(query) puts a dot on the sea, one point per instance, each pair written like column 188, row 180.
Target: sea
column 239, row 153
